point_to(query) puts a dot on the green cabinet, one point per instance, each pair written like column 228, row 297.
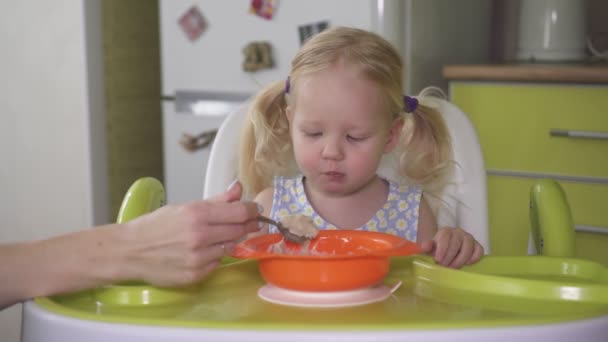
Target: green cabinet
column 523, row 130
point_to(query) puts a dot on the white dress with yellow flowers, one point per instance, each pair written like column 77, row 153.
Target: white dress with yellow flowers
column 398, row 216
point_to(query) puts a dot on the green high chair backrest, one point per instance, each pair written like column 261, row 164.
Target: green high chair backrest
column 552, row 228
column 145, row 195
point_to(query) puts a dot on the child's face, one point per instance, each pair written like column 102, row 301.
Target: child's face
column 338, row 130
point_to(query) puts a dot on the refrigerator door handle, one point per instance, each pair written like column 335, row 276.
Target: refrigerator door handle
column 207, row 104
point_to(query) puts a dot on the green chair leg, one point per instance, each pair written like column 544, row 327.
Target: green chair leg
column 551, row 220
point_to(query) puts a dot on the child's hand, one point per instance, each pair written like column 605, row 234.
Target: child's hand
column 453, row 247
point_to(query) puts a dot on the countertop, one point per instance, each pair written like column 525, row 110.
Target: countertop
column 580, row 73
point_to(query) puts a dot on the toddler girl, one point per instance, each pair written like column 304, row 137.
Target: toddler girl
column 313, row 143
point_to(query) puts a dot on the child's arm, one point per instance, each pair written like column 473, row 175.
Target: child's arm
column 452, row 247
column 264, row 199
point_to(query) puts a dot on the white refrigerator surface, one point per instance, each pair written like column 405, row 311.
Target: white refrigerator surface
column 213, row 61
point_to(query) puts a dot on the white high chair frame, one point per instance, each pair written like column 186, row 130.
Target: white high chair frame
column 465, row 197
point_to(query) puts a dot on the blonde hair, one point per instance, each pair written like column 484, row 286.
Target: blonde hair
column 266, row 150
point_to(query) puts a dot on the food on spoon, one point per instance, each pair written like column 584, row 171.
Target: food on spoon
column 300, row 225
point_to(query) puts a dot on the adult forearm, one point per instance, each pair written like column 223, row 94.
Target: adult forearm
column 172, row 246
column 62, row 264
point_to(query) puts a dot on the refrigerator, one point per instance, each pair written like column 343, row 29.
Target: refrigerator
column 216, row 54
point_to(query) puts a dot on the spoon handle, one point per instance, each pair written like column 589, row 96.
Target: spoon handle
column 283, row 230
column 268, row 220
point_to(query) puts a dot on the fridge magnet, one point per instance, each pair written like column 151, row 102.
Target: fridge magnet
column 309, row 30
column 264, row 8
column 258, row 55
column 193, row 23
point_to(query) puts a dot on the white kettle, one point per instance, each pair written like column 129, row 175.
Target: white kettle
column 552, row 30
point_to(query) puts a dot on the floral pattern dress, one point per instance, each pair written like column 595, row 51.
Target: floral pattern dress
column 398, row 216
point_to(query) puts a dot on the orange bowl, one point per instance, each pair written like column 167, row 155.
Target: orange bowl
column 336, row 260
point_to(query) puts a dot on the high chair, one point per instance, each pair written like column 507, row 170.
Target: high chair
column 463, row 202
column 499, row 298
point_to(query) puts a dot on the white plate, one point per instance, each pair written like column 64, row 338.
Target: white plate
column 336, row 299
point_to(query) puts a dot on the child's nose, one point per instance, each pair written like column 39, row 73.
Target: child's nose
column 332, row 150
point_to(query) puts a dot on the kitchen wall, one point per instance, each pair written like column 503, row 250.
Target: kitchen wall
column 444, row 32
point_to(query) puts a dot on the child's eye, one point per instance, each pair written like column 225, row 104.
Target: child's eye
column 312, row 134
column 355, row 138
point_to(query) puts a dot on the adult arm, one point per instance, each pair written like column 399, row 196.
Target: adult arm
column 172, row 246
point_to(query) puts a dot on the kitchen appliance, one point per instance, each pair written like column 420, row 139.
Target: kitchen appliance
column 552, row 30
column 206, row 45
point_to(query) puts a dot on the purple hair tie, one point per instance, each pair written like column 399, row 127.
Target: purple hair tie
column 287, row 85
column 411, row 103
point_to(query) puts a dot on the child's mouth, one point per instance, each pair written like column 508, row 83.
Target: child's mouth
column 333, row 175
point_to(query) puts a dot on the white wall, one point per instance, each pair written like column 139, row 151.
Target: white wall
column 53, row 169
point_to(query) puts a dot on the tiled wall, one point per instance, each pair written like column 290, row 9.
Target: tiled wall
column 132, row 90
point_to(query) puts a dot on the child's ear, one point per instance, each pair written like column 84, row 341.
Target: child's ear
column 394, row 134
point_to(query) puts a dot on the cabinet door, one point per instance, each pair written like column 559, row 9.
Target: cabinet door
column 514, row 123
column 508, row 215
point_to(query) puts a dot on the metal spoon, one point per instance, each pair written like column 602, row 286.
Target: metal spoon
column 287, row 234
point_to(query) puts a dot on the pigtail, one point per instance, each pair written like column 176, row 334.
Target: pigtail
column 426, row 157
column 265, row 143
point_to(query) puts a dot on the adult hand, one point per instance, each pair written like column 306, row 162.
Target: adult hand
column 180, row 244
column 453, row 247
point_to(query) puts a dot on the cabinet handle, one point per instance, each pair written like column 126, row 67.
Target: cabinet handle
column 536, row 175
column 591, row 229
column 578, row 134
